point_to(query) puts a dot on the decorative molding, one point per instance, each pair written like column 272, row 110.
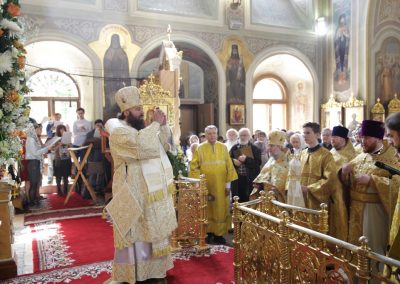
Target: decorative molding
column 87, row 30
column 116, row 5
column 309, row 49
column 141, row 33
column 256, row 45
column 31, row 26
column 214, row 40
column 388, row 10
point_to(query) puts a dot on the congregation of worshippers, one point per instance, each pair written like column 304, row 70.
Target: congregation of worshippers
column 353, row 172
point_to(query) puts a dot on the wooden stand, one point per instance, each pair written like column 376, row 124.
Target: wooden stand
column 80, row 173
column 8, row 267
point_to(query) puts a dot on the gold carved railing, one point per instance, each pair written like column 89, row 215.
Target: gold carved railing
column 190, row 200
column 273, row 249
column 312, row 219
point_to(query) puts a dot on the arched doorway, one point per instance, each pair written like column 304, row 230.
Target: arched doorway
column 61, row 74
column 199, row 78
column 295, row 104
column 53, row 91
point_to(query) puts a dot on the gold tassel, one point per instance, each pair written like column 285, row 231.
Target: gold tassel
column 162, row 251
column 171, row 188
column 155, row 196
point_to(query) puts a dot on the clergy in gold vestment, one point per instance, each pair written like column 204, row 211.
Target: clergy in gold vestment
column 212, row 159
column 318, row 175
column 393, row 125
column 372, row 193
column 274, row 174
column 142, row 208
column 343, row 152
column 319, row 180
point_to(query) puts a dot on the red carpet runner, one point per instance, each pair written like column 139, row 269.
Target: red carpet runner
column 76, row 200
column 53, row 209
column 62, row 214
column 71, row 242
column 80, row 251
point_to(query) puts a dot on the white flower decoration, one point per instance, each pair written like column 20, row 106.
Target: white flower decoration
column 14, row 52
column 14, row 81
column 10, row 162
column 5, row 62
column 11, row 26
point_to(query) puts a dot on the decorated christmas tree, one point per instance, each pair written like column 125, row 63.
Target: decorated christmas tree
column 13, row 103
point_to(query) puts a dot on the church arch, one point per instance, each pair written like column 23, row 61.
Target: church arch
column 376, row 54
column 179, row 37
column 91, row 88
column 256, row 70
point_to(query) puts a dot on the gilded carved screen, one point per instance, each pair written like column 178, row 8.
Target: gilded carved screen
column 153, row 95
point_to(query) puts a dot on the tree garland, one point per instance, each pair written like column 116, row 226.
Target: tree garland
column 14, row 110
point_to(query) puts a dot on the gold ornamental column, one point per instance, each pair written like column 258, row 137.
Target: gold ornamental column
column 236, row 241
column 8, row 267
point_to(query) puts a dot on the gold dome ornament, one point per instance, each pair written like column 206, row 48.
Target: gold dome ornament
column 378, row 111
column 353, row 102
column 331, row 103
column 394, row 105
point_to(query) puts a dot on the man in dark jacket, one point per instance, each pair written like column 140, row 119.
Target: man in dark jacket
column 246, row 158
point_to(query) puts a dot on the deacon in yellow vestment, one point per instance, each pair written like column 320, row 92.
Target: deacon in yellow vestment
column 212, row 159
column 318, row 175
column 142, row 209
column 372, row 193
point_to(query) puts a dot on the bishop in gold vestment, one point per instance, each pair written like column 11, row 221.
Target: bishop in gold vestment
column 274, row 173
column 212, row 159
column 142, row 208
column 372, row 192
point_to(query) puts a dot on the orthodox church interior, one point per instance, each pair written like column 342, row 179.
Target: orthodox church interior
column 257, row 64
column 290, row 48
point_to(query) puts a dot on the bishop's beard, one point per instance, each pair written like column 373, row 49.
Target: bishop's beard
column 135, row 122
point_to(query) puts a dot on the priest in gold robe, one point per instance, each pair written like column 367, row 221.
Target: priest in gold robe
column 343, row 152
column 213, row 160
column 274, row 174
column 372, row 191
column 142, row 209
column 393, row 126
